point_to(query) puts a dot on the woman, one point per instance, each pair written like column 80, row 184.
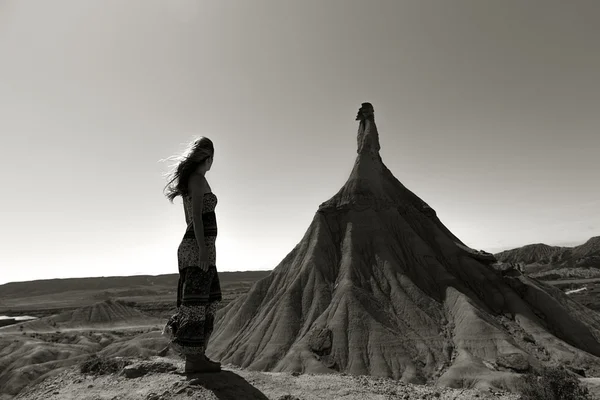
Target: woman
column 199, row 290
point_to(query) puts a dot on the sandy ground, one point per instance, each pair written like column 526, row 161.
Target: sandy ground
column 235, row 384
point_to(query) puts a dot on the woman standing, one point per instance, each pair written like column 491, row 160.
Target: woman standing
column 199, row 290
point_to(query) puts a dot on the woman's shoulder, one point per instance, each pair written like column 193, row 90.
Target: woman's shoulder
column 198, row 184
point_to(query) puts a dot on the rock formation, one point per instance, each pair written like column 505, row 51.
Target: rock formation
column 379, row 286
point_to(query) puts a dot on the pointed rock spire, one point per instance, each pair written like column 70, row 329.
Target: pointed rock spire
column 368, row 138
column 370, row 184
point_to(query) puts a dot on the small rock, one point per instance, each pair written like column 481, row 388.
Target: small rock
column 578, row 371
column 528, row 338
column 515, row 361
column 140, row 369
column 180, row 391
column 90, row 386
column 133, row 371
column 320, row 341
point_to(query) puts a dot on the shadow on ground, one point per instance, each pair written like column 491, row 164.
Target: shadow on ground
column 226, row 386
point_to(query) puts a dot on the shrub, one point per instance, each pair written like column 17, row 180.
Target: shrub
column 95, row 365
column 553, row 383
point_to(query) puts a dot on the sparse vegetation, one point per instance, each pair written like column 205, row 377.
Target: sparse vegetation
column 553, row 383
column 550, row 277
column 95, row 365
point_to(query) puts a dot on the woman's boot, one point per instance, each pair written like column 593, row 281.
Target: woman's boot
column 197, row 364
column 212, row 362
column 206, row 340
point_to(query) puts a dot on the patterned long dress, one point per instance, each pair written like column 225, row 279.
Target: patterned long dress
column 198, row 292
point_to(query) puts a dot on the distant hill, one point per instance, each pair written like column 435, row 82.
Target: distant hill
column 586, row 255
column 102, row 315
column 590, row 249
column 531, row 253
column 154, row 295
column 53, row 286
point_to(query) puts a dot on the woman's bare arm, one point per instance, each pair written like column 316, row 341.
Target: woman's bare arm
column 198, row 187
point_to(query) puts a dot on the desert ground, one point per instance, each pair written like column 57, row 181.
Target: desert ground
column 79, row 319
column 159, row 378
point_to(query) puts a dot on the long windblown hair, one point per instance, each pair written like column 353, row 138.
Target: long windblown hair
column 197, row 152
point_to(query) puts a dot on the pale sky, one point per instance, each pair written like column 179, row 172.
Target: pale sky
column 487, row 110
